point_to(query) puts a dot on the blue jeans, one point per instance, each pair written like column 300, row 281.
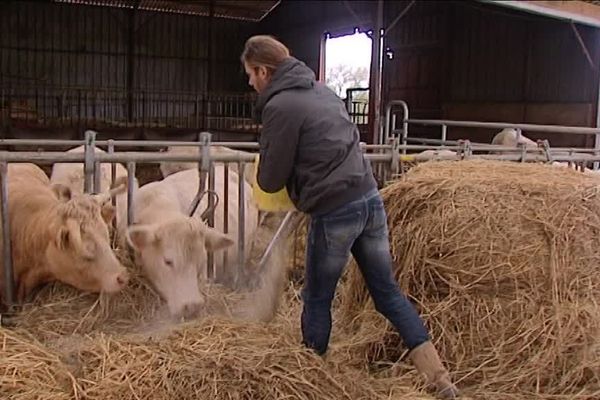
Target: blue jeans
column 359, row 227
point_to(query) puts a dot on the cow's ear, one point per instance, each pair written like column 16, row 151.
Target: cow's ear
column 63, row 238
column 62, row 192
column 215, row 240
column 141, row 236
column 108, row 212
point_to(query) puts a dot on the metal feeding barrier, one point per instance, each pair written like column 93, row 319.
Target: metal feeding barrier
column 387, row 157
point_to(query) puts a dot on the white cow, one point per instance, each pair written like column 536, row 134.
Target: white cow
column 72, row 175
column 436, row 155
column 170, row 247
column 508, row 138
column 170, row 167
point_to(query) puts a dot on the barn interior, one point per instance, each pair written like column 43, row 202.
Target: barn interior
column 501, row 259
column 169, row 69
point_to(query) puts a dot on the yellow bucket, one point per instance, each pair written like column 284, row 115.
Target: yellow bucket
column 275, row 202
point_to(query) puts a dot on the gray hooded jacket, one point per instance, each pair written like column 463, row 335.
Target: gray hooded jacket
column 308, row 143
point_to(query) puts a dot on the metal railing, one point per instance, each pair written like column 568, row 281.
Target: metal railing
column 390, row 130
column 388, row 156
column 358, row 108
column 87, row 108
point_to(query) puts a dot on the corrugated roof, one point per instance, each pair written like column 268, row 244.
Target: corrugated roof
column 249, row 10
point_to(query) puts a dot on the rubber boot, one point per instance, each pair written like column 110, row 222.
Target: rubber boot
column 427, row 361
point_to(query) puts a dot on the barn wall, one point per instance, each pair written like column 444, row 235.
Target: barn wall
column 468, row 61
column 70, row 45
column 416, row 71
column 72, row 65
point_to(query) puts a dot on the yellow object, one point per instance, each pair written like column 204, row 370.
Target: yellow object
column 275, row 202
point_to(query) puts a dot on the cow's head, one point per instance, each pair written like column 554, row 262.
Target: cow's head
column 173, row 256
column 80, row 253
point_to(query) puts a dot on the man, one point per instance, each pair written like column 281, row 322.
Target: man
column 309, row 146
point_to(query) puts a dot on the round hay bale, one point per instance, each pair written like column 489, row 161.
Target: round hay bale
column 503, row 261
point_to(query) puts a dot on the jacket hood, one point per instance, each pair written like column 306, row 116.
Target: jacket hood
column 291, row 74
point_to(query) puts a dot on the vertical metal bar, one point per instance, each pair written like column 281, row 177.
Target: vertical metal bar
column 376, row 70
column 9, row 283
column 97, row 177
column 130, row 177
column 405, row 125
column 225, row 209
column 113, row 167
column 597, row 136
column 203, row 167
column 113, row 177
column 211, row 217
column 388, row 121
column 90, row 141
column 241, row 222
column 444, row 134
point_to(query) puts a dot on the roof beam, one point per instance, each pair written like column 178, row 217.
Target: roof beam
column 571, row 11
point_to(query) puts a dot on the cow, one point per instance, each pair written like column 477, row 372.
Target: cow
column 508, row 138
column 56, row 236
column 170, row 167
column 170, row 247
column 72, row 176
column 436, row 155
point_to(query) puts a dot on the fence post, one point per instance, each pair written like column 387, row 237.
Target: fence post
column 130, row 178
column 9, row 282
column 89, row 165
column 203, row 167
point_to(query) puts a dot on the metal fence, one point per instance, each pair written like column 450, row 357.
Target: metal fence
column 87, row 108
column 386, row 158
column 397, row 122
column 357, row 105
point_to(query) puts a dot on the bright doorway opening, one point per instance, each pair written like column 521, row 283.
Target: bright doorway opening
column 347, row 69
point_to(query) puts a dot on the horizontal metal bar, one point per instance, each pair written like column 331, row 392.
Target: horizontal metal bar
column 499, row 125
column 165, row 143
column 438, row 141
column 42, row 142
column 155, row 157
column 117, row 143
column 138, row 157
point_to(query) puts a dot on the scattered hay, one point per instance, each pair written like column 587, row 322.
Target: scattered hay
column 69, row 345
column 30, row 371
column 504, row 265
column 217, row 360
column 213, row 358
column 504, row 262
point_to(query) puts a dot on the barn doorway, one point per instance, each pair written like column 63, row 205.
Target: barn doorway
column 346, row 71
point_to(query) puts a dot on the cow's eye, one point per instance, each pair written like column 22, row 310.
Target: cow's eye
column 169, row 262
